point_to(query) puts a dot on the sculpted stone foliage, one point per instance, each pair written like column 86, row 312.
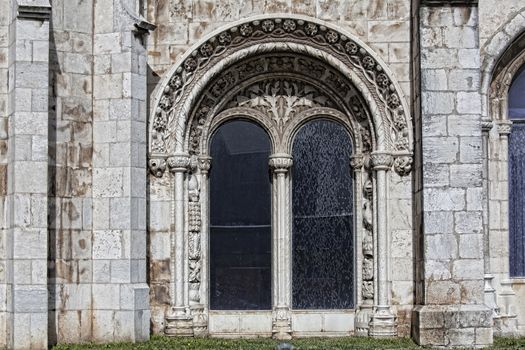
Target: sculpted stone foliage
column 168, row 116
column 280, row 87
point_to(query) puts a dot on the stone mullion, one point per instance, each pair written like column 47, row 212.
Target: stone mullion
column 383, row 323
column 281, row 163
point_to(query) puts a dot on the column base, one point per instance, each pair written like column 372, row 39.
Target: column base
column 178, row 324
column 383, row 323
column 506, row 326
column 490, row 295
column 362, row 320
column 200, row 320
column 282, row 324
column 443, row 326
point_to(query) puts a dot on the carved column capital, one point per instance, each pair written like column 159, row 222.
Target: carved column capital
column 486, row 125
column 280, row 162
column 381, row 160
column 357, row 161
column 504, row 127
column 179, row 163
column 204, row 164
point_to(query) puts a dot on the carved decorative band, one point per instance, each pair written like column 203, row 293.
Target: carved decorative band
column 280, row 163
column 381, row 161
column 179, row 163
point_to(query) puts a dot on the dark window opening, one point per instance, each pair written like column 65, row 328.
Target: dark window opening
column 240, row 218
column 322, row 198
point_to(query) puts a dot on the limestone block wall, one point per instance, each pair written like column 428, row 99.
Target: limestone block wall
column 70, row 166
column 5, row 18
column 452, row 227
column 383, row 24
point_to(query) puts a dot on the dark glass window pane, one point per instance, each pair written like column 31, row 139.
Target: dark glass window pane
column 517, row 96
column 323, row 269
column 517, row 200
column 240, row 218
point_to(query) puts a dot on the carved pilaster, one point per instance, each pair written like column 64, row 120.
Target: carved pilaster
column 365, row 311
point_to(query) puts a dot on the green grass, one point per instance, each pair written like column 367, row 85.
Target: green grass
column 161, row 342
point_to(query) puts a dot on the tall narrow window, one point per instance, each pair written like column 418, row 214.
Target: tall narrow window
column 240, row 218
column 322, row 268
column 517, row 176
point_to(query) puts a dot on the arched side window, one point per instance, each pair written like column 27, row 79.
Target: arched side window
column 323, row 249
column 240, row 218
column 517, row 175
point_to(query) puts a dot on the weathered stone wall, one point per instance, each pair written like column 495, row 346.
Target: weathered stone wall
column 5, row 18
column 383, row 24
column 70, row 165
column 452, row 232
column 493, row 15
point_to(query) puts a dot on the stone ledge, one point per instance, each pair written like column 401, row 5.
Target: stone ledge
column 452, row 325
column 449, row 2
column 34, row 10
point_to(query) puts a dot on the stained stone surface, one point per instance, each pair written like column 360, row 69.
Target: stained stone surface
column 322, row 253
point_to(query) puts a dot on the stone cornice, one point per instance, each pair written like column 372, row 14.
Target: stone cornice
column 34, row 10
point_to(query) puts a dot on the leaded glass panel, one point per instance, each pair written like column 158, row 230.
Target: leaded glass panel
column 323, row 250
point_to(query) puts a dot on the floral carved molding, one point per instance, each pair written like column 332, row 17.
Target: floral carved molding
column 182, row 102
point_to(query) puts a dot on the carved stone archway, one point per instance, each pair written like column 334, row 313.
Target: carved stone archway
column 281, row 72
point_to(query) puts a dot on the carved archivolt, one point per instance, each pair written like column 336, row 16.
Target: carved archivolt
column 320, row 57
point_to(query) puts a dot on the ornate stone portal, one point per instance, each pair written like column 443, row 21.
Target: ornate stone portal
column 279, row 72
